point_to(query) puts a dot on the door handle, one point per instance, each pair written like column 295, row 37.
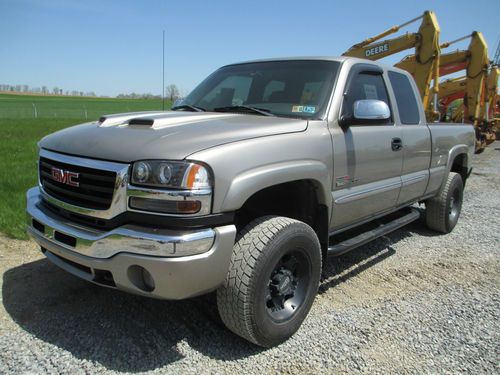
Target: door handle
column 396, row 144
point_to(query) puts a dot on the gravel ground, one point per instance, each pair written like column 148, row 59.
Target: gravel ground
column 410, row 302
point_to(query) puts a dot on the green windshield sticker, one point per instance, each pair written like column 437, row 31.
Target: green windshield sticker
column 303, row 109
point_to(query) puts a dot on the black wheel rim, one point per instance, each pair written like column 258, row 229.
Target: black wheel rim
column 288, row 285
column 454, row 207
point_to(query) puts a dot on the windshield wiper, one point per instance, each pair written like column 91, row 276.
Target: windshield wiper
column 260, row 111
column 193, row 108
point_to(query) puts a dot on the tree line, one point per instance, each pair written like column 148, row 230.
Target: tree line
column 43, row 90
column 171, row 92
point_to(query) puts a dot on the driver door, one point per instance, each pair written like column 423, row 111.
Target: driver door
column 366, row 157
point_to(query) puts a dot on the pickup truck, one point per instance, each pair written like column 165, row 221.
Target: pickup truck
column 247, row 186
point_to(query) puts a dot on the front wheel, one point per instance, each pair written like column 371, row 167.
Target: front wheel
column 272, row 280
column 443, row 211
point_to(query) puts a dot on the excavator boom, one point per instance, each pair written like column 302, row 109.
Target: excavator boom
column 471, row 88
column 427, row 52
column 452, row 86
column 449, row 91
column 491, row 111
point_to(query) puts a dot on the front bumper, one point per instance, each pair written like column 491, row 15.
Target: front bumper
column 182, row 264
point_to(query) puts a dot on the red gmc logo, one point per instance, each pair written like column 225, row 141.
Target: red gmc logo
column 65, row 177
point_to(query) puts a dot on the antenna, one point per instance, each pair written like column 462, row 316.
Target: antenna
column 163, row 75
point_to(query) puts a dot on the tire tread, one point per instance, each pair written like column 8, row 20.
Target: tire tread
column 436, row 208
column 233, row 297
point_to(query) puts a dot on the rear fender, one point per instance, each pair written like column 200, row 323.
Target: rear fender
column 454, row 152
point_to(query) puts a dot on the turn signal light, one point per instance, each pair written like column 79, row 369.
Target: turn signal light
column 165, row 206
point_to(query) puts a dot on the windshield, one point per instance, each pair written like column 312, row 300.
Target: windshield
column 297, row 88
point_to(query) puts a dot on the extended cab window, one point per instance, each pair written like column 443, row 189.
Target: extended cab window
column 405, row 98
column 295, row 88
column 365, row 86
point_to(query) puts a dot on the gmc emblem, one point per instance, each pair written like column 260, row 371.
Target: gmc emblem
column 65, row 177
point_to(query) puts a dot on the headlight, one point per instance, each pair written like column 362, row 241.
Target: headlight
column 171, row 174
column 142, row 172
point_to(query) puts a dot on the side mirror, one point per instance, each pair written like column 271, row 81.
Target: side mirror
column 370, row 109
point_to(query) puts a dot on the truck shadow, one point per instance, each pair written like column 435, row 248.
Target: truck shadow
column 134, row 334
column 340, row 269
column 120, row 331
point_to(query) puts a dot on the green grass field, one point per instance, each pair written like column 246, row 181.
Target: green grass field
column 19, row 137
column 69, row 107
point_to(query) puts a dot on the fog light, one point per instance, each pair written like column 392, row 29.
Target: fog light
column 148, row 280
column 141, row 278
column 165, row 206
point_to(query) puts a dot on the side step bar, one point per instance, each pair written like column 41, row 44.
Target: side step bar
column 363, row 238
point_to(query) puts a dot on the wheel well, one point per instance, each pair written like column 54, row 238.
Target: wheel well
column 460, row 166
column 296, row 199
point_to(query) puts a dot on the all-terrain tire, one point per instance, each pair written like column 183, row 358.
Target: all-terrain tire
column 443, row 210
column 272, row 280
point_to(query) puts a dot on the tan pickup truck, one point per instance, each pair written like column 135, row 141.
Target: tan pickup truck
column 247, row 186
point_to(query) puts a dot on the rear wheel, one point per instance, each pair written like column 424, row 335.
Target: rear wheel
column 443, row 211
column 272, row 280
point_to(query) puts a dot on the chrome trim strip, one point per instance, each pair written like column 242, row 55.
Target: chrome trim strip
column 360, row 194
column 202, row 195
column 128, row 238
column 83, row 162
column 413, row 179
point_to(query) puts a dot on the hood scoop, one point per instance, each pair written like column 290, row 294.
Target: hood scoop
column 166, row 120
column 123, row 118
column 142, row 121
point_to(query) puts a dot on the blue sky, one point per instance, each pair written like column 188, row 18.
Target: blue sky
column 114, row 46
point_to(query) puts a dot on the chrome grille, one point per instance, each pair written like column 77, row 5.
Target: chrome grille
column 95, row 187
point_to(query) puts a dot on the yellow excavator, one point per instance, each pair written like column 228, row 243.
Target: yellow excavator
column 471, row 88
column 491, row 111
column 425, row 67
column 427, row 64
column 449, row 91
column 474, row 60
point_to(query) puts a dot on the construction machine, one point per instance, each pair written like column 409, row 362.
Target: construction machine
column 425, row 68
column 449, row 91
column 491, row 111
column 471, row 87
column 475, row 62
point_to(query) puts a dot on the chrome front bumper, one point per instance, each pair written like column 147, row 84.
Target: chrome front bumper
column 181, row 263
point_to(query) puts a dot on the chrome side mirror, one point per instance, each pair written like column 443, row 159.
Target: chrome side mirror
column 370, row 109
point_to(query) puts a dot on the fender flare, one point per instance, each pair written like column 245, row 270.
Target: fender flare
column 254, row 180
column 454, row 152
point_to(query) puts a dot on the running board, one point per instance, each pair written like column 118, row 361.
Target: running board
column 363, row 238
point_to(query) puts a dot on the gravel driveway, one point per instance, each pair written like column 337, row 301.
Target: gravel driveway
column 410, row 302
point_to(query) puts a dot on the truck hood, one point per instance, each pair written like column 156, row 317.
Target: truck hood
column 163, row 135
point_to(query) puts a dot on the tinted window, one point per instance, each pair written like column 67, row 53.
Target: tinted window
column 405, row 98
column 365, row 86
column 298, row 88
column 273, row 88
column 231, row 91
